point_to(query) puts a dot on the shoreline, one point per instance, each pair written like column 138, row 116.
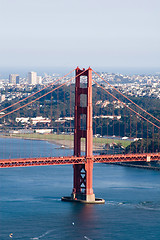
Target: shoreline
column 155, row 168
column 67, row 143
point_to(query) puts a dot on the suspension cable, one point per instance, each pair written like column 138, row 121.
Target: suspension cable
column 126, row 105
column 42, row 95
column 37, row 91
column 126, row 97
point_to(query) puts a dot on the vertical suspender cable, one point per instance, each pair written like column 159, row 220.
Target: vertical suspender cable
column 64, row 115
column 58, row 114
column 107, row 127
column 130, row 131
column 95, row 114
column 113, row 128
column 119, row 126
column 147, row 137
column 125, row 117
column 136, row 134
column 153, row 140
column 70, row 115
column 51, row 120
column 51, row 123
column 100, row 130
column 158, row 140
column 142, row 135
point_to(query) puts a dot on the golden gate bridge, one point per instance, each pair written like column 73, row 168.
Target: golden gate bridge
column 83, row 164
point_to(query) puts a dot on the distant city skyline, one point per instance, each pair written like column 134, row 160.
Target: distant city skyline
column 5, row 72
column 59, row 35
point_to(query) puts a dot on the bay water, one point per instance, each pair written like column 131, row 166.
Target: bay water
column 31, row 206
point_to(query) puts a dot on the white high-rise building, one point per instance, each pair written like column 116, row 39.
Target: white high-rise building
column 32, row 78
column 39, row 80
column 2, row 97
column 14, row 78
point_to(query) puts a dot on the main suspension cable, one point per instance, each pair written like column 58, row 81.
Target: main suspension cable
column 37, row 91
column 42, row 95
column 126, row 97
column 126, row 105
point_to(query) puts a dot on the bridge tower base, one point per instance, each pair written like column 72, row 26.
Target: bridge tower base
column 83, row 173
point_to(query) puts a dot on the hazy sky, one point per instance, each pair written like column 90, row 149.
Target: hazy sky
column 67, row 33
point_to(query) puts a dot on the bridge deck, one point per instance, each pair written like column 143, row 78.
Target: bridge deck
column 24, row 162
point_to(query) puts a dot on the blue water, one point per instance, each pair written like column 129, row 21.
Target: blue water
column 30, row 205
column 22, row 148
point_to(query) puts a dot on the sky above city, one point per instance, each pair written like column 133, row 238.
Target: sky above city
column 103, row 34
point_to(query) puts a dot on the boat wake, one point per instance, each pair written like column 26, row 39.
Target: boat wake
column 41, row 236
column 146, row 205
column 149, row 205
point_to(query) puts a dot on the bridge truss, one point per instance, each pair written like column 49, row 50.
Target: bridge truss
column 47, row 161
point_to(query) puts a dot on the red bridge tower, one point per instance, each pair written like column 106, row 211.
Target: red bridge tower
column 83, row 173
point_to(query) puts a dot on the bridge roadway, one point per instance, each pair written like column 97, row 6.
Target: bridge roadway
column 26, row 162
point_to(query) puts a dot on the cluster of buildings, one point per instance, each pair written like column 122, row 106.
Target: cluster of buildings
column 140, row 90
column 113, row 117
column 103, row 104
column 32, row 79
column 34, row 120
column 16, row 87
column 37, row 120
column 135, row 85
